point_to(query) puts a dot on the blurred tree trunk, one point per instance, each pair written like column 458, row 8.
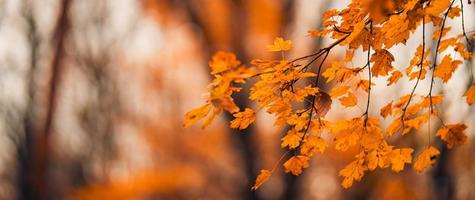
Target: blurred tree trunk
column 243, row 139
column 35, row 151
column 443, row 179
column 24, row 146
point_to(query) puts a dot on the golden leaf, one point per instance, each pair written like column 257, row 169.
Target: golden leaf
column 352, row 172
column 382, row 62
column 312, row 144
column 243, row 119
column 399, row 157
column 446, row 68
column 295, row 164
column 426, row 159
column 470, row 94
column 280, row 45
column 395, row 76
column 261, row 178
column 349, row 101
column 196, row 114
column 292, row 140
column 387, row 110
column 453, row 134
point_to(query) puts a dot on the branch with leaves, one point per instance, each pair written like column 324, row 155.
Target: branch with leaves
column 370, row 26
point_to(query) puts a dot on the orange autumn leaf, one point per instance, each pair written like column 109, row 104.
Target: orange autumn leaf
column 289, row 89
column 394, row 78
column 223, row 61
column 386, row 110
column 295, row 164
column 352, row 172
column 312, row 144
column 470, row 94
column 446, row 68
column 280, row 45
column 291, row 140
column 382, row 62
column 399, row 157
column 355, row 33
column 349, row 101
column 339, row 91
column 196, row 114
column 379, row 157
column 444, row 33
column 243, row 119
column 453, row 134
column 437, row 7
column 261, row 178
column 426, row 159
column 394, row 127
column 454, row 12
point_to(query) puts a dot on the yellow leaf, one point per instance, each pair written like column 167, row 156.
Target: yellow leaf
column 453, row 134
column 330, row 72
column 399, row 157
column 446, row 68
column 261, row 178
column 387, row 110
column 379, row 157
column 306, row 75
column 364, row 85
column 426, row 101
column 382, row 62
column 444, row 32
column 436, row 7
column 470, row 94
column 295, row 164
column 396, row 30
column 196, row 114
column 394, row 127
column 355, row 33
column 454, row 12
column 312, row 144
column 292, row 140
column 339, row 91
column 426, row 159
column 349, row 101
column 280, row 45
column 223, row 61
column 243, row 119
column 352, row 172
column 395, row 76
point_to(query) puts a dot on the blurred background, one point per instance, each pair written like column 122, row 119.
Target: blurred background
column 93, row 93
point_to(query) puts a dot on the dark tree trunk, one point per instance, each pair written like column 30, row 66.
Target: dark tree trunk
column 34, row 151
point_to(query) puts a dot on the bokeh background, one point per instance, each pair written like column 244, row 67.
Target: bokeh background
column 92, row 94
